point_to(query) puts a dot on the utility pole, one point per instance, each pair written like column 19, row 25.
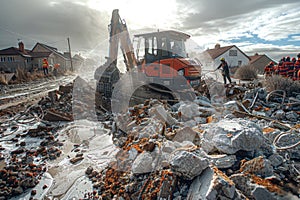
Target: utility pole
column 72, row 69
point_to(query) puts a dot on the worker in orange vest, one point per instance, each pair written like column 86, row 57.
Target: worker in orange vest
column 297, row 68
column 289, row 65
column 55, row 70
column 45, row 66
column 283, row 67
column 269, row 69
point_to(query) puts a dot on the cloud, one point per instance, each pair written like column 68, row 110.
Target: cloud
column 52, row 22
column 269, row 23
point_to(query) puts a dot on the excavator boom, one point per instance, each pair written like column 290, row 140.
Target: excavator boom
column 119, row 34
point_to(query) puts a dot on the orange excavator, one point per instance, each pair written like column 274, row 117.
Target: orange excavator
column 160, row 57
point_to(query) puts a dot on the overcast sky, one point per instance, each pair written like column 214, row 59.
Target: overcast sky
column 262, row 26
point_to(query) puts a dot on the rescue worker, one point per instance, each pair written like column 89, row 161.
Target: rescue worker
column 55, row 70
column 269, row 69
column 225, row 70
column 297, row 68
column 289, row 66
column 282, row 67
column 45, row 66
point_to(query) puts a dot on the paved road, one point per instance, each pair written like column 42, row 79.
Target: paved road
column 15, row 94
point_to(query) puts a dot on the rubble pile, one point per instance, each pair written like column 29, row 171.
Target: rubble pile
column 29, row 140
column 61, row 105
column 246, row 149
column 25, row 157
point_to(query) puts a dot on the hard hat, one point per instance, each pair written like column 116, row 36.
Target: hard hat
column 222, row 59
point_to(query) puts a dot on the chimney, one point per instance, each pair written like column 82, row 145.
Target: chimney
column 21, row 46
column 217, row 46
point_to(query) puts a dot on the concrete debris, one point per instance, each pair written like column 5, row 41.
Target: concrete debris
column 230, row 136
column 276, row 160
column 185, row 134
column 213, row 184
column 160, row 113
column 258, row 166
column 205, row 149
column 222, row 161
column 187, row 165
column 188, row 111
column 142, row 164
column 261, row 193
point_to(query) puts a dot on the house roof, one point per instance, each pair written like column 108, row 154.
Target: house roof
column 216, row 52
column 40, row 54
column 51, row 49
column 78, row 57
column 256, row 57
column 14, row 51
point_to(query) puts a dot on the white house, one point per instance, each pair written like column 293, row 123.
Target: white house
column 232, row 54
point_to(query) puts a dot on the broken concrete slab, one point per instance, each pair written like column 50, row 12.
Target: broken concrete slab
column 243, row 183
column 203, row 101
column 276, row 160
column 229, row 136
column 261, row 193
column 185, row 134
column 160, row 113
column 222, row 161
column 187, row 164
column 258, row 166
column 212, row 184
column 142, row 164
column 189, row 111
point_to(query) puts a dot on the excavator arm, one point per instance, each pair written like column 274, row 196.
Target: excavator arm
column 119, row 33
column 108, row 74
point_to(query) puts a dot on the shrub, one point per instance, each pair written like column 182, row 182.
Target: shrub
column 276, row 82
column 25, row 76
column 246, row 72
column 2, row 80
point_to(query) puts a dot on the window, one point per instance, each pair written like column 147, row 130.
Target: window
column 152, row 46
column 140, row 48
column 177, row 47
column 2, row 59
column 181, row 72
column 239, row 63
column 232, row 52
column 10, row 59
column 164, row 46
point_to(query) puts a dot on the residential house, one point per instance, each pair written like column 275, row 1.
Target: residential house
column 31, row 60
column 54, row 57
column 232, row 54
column 13, row 58
column 78, row 61
column 259, row 61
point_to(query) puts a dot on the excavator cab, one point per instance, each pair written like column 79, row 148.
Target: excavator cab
column 163, row 55
column 162, row 45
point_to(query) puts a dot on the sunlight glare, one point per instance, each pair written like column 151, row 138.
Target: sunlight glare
column 137, row 14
